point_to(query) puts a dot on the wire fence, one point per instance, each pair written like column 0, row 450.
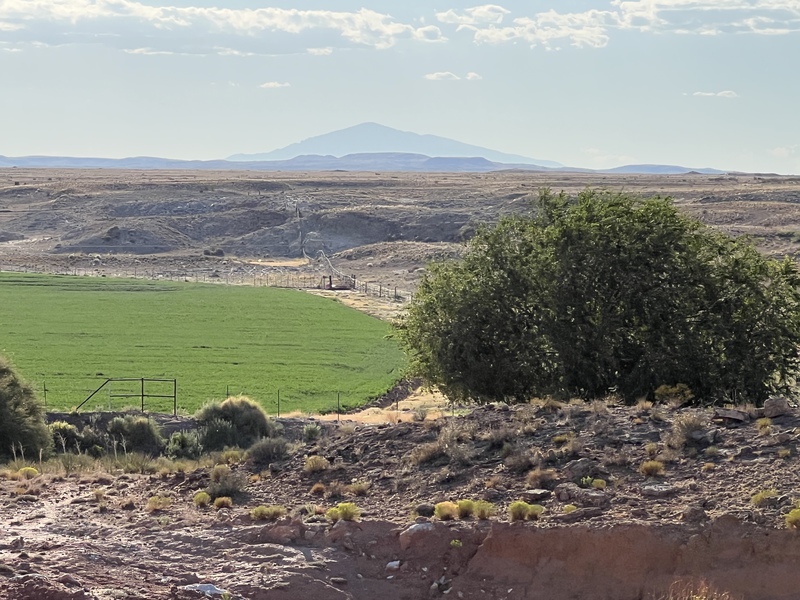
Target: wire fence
column 254, row 276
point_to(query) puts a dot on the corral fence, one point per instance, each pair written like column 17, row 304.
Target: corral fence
column 114, row 394
column 137, row 387
column 237, row 275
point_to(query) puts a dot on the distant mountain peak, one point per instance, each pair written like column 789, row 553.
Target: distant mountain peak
column 371, row 138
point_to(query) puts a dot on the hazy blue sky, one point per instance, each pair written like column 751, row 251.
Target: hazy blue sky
column 594, row 83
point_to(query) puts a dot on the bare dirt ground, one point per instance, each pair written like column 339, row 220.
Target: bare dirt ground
column 87, row 534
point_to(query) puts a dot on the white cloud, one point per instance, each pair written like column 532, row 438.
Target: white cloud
column 320, row 51
column 486, row 14
column 232, row 52
column 593, row 28
column 722, row 94
column 134, row 20
column 547, row 29
column 784, row 151
column 442, row 76
column 273, row 85
column 148, row 52
column 449, row 76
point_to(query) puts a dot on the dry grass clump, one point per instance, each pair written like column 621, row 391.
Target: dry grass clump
column 156, row 503
column 225, row 482
column 201, row 499
column 348, row 511
column 344, row 511
column 335, row 489
column 652, row 468
column 522, row 511
column 540, row 478
column 223, row 502
column 484, row 510
column 695, row 591
column 764, row 497
column 764, row 426
column 445, row 511
column 685, row 429
column 267, row 513
column 425, row 453
column 27, row 473
column 358, row 488
column 465, row 508
column 318, row 489
column 793, row 519
column 316, row 464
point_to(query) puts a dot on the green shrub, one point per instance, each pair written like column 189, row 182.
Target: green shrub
column 22, row 418
column 484, row 510
column 27, row 473
column 136, row 434
column 267, row 450
column 569, row 508
column 249, row 422
column 136, row 462
column 518, row 511
column 793, row 519
column 465, row 508
column 311, row 432
column 267, row 513
column 66, row 437
column 225, row 482
column 216, row 434
column 201, row 499
column 332, row 514
column 184, row 444
column 446, row 511
column 348, row 511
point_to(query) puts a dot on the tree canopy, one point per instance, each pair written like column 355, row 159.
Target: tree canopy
column 23, row 429
column 605, row 293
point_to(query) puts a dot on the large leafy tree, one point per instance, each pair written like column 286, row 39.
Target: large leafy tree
column 605, row 292
column 23, row 429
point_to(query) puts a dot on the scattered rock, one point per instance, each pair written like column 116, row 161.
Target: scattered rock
column 777, row 406
column 694, row 514
column 658, row 490
column 535, row 495
column 393, row 565
column 570, row 492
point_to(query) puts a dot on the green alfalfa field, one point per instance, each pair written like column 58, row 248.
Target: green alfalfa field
column 68, row 334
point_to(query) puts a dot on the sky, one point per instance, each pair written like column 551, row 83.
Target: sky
column 587, row 83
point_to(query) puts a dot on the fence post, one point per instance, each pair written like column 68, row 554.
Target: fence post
column 338, row 407
column 279, row 403
column 142, row 395
column 174, row 397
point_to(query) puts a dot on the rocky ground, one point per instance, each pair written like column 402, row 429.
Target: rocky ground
column 381, row 228
column 729, row 476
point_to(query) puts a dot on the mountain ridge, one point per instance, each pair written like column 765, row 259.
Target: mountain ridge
column 377, row 161
column 375, row 138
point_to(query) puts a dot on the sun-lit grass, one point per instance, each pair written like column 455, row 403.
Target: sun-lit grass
column 70, row 333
